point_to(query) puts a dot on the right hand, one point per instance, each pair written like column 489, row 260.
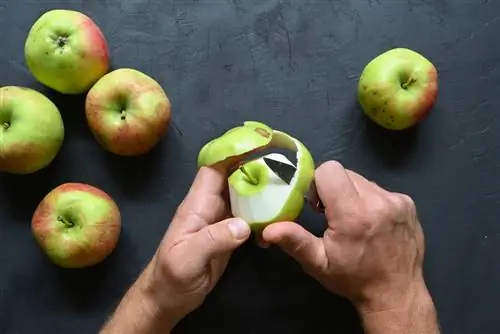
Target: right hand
column 373, row 248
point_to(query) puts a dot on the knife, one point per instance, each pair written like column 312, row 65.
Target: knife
column 286, row 172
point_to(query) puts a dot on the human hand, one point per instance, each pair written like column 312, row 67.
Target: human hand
column 371, row 252
column 188, row 263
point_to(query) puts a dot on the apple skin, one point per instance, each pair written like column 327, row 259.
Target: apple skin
column 398, row 88
column 128, row 112
column 66, row 51
column 76, row 225
column 31, row 130
column 235, row 144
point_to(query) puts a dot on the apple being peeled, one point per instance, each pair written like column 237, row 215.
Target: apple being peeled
column 398, row 88
column 257, row 194
column 128, row 112
column 31, row 130
column 66, row 51
column 77, row 225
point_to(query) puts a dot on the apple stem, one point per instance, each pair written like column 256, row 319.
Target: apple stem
column 408, row 83
column 248, row 176
column 6, row 125
column 68, row 223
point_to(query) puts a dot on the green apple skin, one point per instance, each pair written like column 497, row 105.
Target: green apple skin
column 76, row 225
column 398, row 88
column 235, row 143
column 31, row 130
column 66, row 51
column 128, row 112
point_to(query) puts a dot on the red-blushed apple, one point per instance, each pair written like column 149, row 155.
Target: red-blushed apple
column 128, row 112
column 398, row 88
column 66, row 51
column 31, row 130
column 77, row 225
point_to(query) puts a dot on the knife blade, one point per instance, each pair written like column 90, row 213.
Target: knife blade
column 286, row 172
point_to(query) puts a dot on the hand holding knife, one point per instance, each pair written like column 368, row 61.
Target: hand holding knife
column 286, row 172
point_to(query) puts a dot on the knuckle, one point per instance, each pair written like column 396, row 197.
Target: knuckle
column 379, row 208
column 403, row 203
column 397, row 202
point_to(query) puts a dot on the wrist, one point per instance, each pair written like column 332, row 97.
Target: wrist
column 140, row 310
column 161, row 303
column 394, row 298
column 410, row 311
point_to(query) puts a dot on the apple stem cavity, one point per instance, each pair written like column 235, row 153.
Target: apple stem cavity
column 248, row 176
column 68, row 223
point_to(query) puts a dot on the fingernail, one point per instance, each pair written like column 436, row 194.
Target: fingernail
column 239, row 228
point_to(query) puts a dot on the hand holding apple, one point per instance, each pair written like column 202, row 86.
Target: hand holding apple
column 398, row 88
column 31, row 130
column 189, row 262
column 128, row 112
column 66, row 51
column 77, row 225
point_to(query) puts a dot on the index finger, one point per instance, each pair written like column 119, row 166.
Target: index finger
column 204, row 203
column 210, row 180
column 334, row 185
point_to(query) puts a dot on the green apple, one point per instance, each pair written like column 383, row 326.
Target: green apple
column 76, row 225
column 128, row 112
column 257, row 194
column 66, row 51
column 31, row 130
column 398, row 88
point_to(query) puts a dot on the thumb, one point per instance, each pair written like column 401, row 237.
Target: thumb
column 220, row 238
column 297, row 242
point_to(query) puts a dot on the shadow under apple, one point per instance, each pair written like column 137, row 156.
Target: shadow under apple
column 102, row 285
column 21, row 194
column 394, row 148
column 72, row 109
column 138, row 175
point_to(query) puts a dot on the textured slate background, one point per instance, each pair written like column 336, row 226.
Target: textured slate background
column 294, row 65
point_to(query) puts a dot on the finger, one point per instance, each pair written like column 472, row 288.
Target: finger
column 300, row 244
column 334, row 185
column 260, row 241
column 204, row 203
column 201, row 210
column 218, row 239
column 209, row 180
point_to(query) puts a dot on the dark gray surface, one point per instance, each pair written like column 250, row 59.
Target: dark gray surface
column 295, row 66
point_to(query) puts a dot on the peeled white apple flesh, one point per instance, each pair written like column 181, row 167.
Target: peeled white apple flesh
column 270, row 197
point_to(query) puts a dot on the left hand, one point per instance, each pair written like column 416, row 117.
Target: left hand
column 195, row 251
column 189, row 261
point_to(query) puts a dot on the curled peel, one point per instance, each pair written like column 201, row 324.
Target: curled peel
column 238, row 142
column 269, row 199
